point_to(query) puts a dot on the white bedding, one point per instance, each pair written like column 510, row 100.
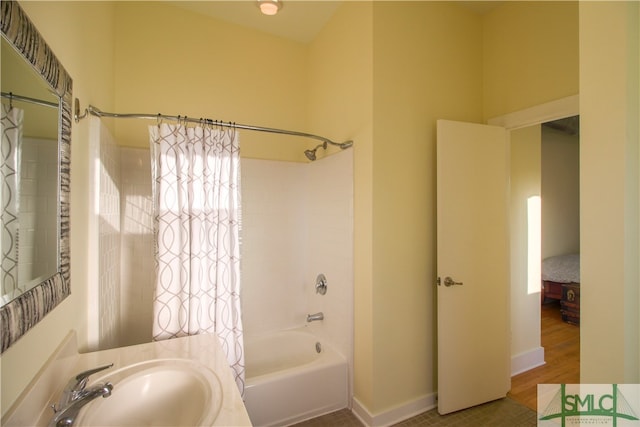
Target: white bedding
column 562, row 268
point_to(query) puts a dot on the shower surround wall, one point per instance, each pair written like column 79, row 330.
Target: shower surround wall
column 297, row 222
column 104, row 256
column 121, row 305
column 137, row 271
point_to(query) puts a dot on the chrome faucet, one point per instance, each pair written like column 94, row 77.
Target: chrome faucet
column 75, row 396
column 316, row 316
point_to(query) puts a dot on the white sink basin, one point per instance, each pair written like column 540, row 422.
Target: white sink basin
column 161, row 392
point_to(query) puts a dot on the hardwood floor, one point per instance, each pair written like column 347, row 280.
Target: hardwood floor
column 561, row 342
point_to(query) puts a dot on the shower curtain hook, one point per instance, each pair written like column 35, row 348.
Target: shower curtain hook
column 10, row 101
column 159, row 119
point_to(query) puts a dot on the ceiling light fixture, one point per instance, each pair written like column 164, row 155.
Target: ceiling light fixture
column 269, row 7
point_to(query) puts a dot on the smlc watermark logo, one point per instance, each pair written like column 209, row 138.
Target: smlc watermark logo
column 563, row 405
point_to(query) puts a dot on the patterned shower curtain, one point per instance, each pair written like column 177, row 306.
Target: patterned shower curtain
column 11, row 122
column 196, row 192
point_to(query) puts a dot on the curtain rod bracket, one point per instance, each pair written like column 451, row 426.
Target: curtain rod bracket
column 76, row 111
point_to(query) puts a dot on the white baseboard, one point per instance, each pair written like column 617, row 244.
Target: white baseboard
column 394, row 415
column 528, row 360
column 519, row 363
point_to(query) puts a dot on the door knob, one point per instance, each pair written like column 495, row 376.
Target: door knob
column 448, row 281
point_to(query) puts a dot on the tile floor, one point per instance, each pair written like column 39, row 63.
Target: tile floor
column 500, row 413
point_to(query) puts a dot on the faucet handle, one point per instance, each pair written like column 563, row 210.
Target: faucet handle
column 76, row 385
column 79, row 382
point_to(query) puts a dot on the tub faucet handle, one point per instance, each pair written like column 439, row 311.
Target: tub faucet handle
column 321, row 284
column 314, row 317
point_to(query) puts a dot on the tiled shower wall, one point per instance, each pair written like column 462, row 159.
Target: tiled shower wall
column 105, row 171
column 38, row 209
column 297, row 222
column 124, row 268
column 137, row 265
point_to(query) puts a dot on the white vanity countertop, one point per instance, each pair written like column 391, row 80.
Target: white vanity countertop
column 204, row 349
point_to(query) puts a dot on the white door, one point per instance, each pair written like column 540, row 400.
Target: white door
column 473, row 253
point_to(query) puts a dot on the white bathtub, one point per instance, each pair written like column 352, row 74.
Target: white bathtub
column 287, row 381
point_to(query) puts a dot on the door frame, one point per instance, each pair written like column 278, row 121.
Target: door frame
column 536, row 115
column 547, row 112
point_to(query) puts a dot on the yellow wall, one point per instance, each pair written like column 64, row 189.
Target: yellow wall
column 609, row 98
column 530, row 55
column 178, row 62
column 339, row 90
column 341, row 107
column 427, row 66
column 525, row 183
column 435, row 60
column 81, row 36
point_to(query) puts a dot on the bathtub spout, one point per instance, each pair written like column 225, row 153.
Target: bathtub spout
column 316, row 316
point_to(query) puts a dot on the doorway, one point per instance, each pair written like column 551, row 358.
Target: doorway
column 529, row 362
column 554, row 176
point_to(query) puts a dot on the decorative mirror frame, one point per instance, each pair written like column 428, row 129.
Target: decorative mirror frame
column 22, row 313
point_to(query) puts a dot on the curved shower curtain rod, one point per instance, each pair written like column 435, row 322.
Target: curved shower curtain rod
column 184, row 119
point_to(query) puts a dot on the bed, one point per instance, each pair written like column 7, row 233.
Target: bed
column 561, row 281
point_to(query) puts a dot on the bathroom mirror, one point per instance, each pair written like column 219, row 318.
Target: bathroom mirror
column 28, row 177
column 46, row 286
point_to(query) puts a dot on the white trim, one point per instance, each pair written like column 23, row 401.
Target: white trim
column 553, row 110
column 395, row 414
column 528, row 360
